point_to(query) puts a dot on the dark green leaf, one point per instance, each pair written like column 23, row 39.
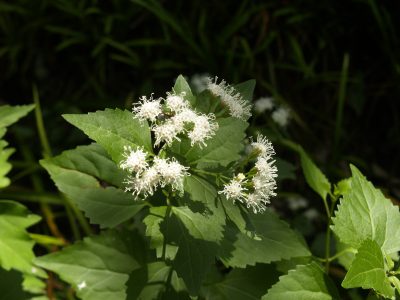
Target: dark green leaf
column 11, row 286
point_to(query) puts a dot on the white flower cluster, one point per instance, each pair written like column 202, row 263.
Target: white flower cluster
column 145, row 178
column 280, row 114
column 173, row 116
column 255, row 190
column 238, row 107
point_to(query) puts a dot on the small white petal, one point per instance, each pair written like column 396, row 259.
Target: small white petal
column 281, row 116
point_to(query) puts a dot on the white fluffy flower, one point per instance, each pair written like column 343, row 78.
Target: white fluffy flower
column 166, row 132
column 186, row 116
column 262, row 104
column 204, row 128
column 171, row 172
column 235, row 190
column 256, row 202
column 266, row 168
column 148, row 109
column 176, row 103
column 263, row 146
column 281, row 116
column 135, row 160
column 238, row 107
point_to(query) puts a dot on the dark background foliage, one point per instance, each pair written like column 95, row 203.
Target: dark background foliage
column 87, row 55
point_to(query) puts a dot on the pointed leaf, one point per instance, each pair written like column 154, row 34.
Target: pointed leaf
column 113, row 130
column 364, row 213
column 270, row 240
column 181, row 86
column 305, row 282
column 97, row 267
column 368, row 270
column 83, row 174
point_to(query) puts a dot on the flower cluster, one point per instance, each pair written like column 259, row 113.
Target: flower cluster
column 259, row 185
column 173, row 116
column 145, row 179
column 238, row 107
column 280, row 114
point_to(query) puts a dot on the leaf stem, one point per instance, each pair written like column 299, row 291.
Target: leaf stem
column 40, row 125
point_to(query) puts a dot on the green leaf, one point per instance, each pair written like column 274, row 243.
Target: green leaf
column 222, row 149
column 113, row 130
column 199, row 225
column 152, row 221
column 97, row 267
column 11, row 286
column 181, row 86
column 194, row 257
column 305, row 282
column 368, row 270
column 84, row 175
column 5, row 166
column 270, row 239
column 364, row 213
column 246, row 89
column 15, row 243
column 242, row 284
column 148, row 282
column 11, row 114
column 314, row 177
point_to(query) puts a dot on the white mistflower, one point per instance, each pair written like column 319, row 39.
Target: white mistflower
column 81, row 285
column 135, row 160
column 266, row 168
column 263, row 146
column 204, row 128
column 281, row 116
column 144, row 185
column 166, row 132
column 176, row 103
column 263, row 104
column 171, row 172
column 148, row 109
column 256, row 202
column 184, row 117
column 237, row 106
column 235, row 190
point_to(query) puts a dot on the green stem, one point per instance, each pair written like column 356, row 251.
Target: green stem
column 167, row 213
column 81, row 218
column 332, row 258
column 32, row 196
column 40, row 125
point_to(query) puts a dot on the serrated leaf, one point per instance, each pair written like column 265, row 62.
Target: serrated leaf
column 364, row 213
column 83, row 174
column 113, row 130
column 223, row 148
column 14, row 219
column 97, row 267
column 368, row 270
column 199, row 225
column 181, row 86
column 11, row 286
column 11, row 114
column 305, row 282
column 194, row 257
column 270, row 239
column 242, row 284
